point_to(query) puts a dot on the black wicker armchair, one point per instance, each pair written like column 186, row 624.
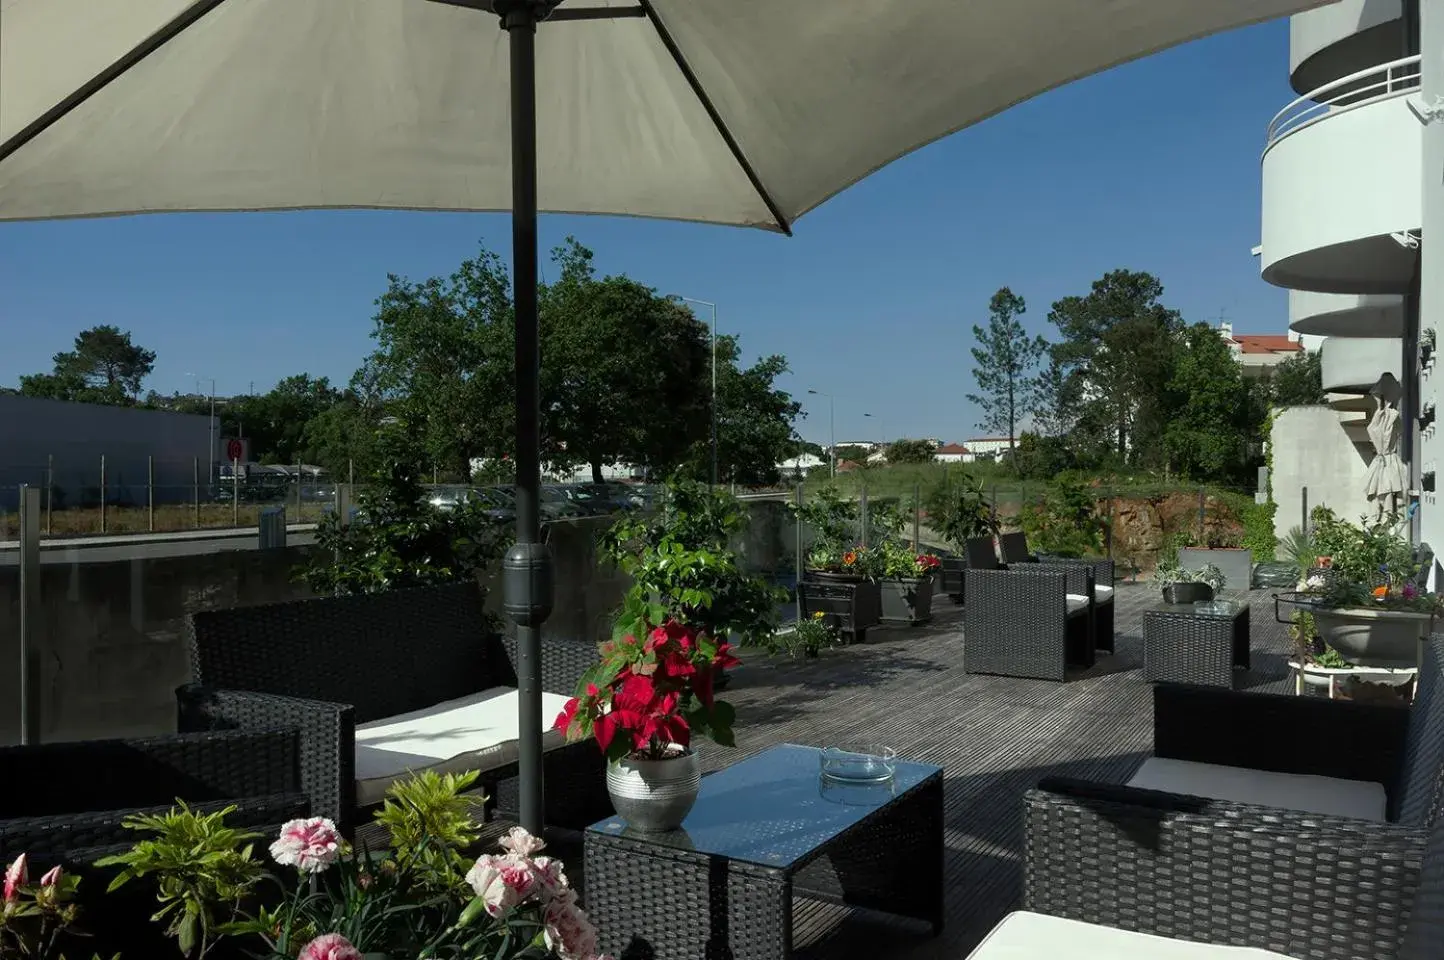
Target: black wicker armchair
column 1321, row 884
column 63, row 803
column 1028, row 620
column 361, row 676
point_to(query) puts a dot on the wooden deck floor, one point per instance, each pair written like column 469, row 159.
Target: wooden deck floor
column 995, row 737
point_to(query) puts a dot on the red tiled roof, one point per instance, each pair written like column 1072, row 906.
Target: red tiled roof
column 952, row 448
column 1266, row 343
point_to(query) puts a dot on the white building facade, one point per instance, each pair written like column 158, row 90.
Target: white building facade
column 1345, row 194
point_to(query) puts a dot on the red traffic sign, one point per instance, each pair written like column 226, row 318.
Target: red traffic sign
column 234, row 450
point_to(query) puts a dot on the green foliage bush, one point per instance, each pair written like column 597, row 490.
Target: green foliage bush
column 1258, row 531
column 1066, row 522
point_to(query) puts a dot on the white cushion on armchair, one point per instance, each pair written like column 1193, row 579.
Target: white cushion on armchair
column 476, row 732
column 1305, row 793
column 1036, row 936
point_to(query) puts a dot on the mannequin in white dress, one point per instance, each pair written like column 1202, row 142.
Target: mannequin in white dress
column 1388, row 477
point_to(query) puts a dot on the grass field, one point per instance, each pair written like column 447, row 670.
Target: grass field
column 169, row 518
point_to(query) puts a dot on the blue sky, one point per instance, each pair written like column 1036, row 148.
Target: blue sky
column 1152, row 166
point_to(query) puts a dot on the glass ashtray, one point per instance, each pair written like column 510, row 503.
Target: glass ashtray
column 863, row 764
column 1213, row 606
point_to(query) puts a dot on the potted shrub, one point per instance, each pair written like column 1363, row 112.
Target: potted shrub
column 1188, row 586
column 833, row 523
column 906, row 584
column 1367, row 602
column 1222, row 550
column 810, row 636
column 959, row 512
column 1065, row 523
column 646, row 699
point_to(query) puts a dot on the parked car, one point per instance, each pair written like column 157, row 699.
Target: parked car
column 604, row 497
column 554, row 504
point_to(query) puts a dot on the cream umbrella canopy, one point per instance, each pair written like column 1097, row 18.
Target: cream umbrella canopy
column 743, row 112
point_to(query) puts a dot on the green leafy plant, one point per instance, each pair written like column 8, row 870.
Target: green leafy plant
column 812, row 635
column 898, row 561
column 1299, row 550
column 399, row 539
column 1258, row 531
column 204, row 871
column 1369, row 564
column 1173, row 573
column 959, row 511
column 429, row 820
column 833, row 521
column 1065, row 523
column 682, row 567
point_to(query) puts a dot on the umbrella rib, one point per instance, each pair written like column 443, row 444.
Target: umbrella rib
column 101, row 80
column 665, row 36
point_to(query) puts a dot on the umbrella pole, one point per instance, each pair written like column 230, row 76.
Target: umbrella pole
column 527, row 567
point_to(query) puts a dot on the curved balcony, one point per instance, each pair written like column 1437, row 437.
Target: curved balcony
column 1341, row 185
column 1346, row 315
column 1341, row 38
column 1350, row 365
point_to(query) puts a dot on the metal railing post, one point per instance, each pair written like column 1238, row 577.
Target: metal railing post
column 235, row 492
column 102, row 493
column 49, row 489
column 31, row 705
column 862, row 515
column 797, row 560
column 917, row 517
column 150, row 494
column 196, row 488
column 1304, row 500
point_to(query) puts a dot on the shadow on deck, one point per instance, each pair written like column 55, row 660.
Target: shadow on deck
column 995, row 737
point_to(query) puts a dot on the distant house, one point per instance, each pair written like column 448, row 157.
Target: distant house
column 987, row 448
column 1258, row 353
column 952, row 453
column 800, row 465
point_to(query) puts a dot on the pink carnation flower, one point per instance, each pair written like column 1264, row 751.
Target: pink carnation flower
column 522, row 843
column 550, row 875
column 16, row 876
column 330, row 946
column 569, row 933
column 502, row 882
column 308, row 845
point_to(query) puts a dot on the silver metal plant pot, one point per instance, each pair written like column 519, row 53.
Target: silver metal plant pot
column 1374, row 638
column 654, row 796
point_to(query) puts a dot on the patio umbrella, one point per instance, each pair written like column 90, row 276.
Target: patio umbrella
column 745, row 112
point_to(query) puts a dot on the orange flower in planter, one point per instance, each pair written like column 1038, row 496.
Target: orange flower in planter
column 1381, row 592
column 849, row 558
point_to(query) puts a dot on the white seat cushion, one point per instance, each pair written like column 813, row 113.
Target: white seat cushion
column 1291, row 791
column 1101, row 593
column 1076, row 603
column 1034, row 936
column 477, row 732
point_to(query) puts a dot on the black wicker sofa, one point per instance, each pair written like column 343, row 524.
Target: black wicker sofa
column 63, row 804
column 388, row 683
column 1349, row 865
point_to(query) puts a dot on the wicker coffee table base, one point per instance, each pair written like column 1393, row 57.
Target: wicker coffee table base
column 663, row 903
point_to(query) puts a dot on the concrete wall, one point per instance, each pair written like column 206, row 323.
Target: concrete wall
column 1310, row 449
column 114, row 630
column 75, row 435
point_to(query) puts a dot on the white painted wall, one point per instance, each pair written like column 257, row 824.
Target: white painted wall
column 1311, row 449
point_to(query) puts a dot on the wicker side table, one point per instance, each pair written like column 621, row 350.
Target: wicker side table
column 762, row 830
column 1184, row 645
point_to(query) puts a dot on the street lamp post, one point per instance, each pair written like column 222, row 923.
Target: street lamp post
column 210, row 424
column 713, row 306
column 831, row 428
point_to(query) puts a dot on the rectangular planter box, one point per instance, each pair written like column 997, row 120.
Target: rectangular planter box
column 907, row 601
column 952, row 577
column 1236, row 565
column 853, row 606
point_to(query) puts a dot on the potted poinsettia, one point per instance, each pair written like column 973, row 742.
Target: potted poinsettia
column 907, row 583
column 652, row 692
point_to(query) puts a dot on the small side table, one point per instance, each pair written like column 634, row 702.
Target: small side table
column 1185, row 644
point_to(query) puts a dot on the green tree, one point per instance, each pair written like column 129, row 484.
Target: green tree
column 105, row 366
column 1115, row 356
column 443, row 362
column 1298, row 381
column 854, row 454
column 1210, row 416
column 756, row 421
column 277, row 421
column 910, row 451
column 628, row 368
column 1003, row 365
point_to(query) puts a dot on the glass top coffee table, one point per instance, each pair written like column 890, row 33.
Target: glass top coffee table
column 1199, row 643
column 762, row 829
